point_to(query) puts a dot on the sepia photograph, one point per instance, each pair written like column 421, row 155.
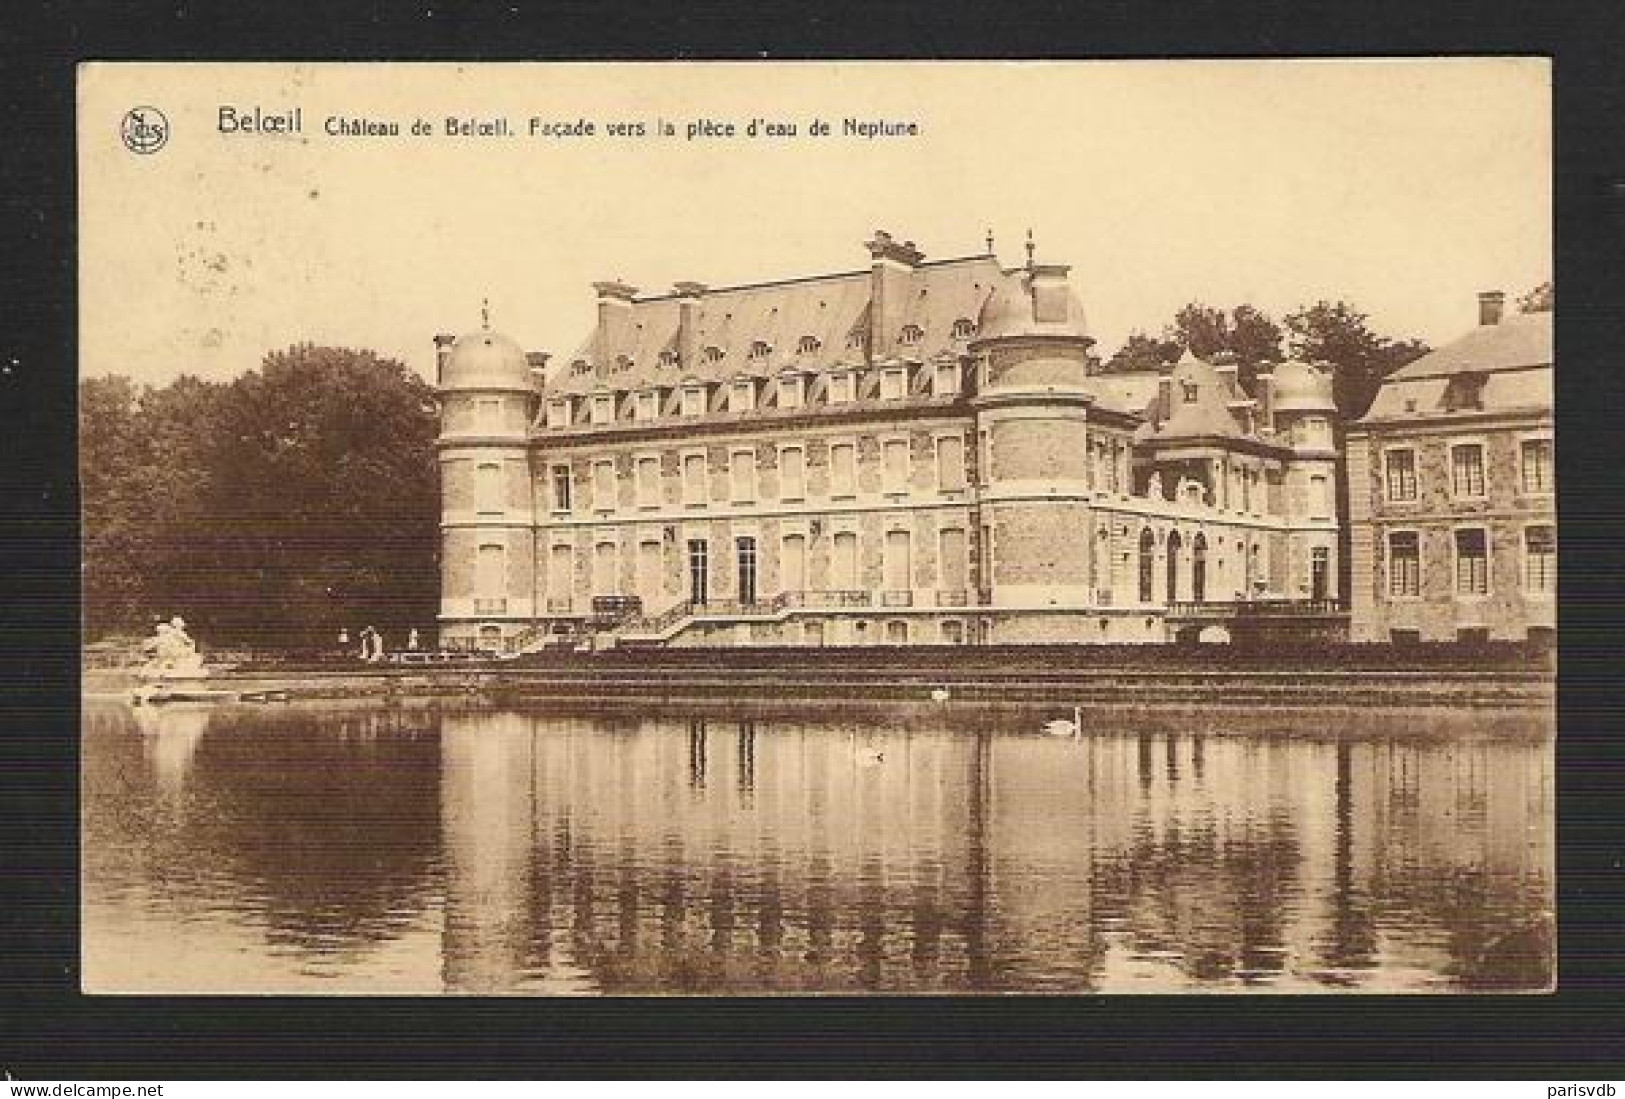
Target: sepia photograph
column 818, row 528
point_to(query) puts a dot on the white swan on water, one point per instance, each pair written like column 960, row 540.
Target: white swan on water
column 1062, row 727
column 939, row 694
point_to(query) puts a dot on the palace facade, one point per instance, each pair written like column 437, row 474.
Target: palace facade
column 1452, row 497
column 916, row 452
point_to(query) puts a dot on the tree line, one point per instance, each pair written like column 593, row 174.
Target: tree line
column 297, row 500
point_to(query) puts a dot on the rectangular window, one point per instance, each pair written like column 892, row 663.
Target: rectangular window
column 603, row 408
column 603, row 485
column 744, row 396
column 1404, row 564
column 560, row 577
column 790, row 392
column 1320, row 497
column 843, row 470
column 699, row 575
column 561, row 488
column 1472, row 562
column 1536, row 457
column 1540, row 560
column 947, row 379
column 895, row 466
column 792, row 473
column 648, row 481
column 648, row 405
column 899, row 561
column 649, row 573
column 694, row 401
column 793, row 566
column 950, row 463
column 951, row 559
column 1401, row 469
column 488, row 489
column 491, row 572
column 893, row 383
column 840, row 387
column 558, row 412
column 694, row 478
column 742, row 476
column 843, row 565
column 745, row 549
column 606, row 569
column 1467, row 469
column 1114, row 482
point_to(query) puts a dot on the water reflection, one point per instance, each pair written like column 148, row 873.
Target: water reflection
column 468, row 850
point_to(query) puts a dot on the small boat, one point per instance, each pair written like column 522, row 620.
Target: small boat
column 157, row 694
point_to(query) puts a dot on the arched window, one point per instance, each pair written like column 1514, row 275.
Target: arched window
column 1174, row 543
column 1199, row 568
column 1148, row 553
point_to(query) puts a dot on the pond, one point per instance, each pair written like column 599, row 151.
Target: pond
column 462, row 848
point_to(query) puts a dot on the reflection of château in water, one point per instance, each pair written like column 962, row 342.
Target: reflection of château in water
column 483, row 851
column 726, row 857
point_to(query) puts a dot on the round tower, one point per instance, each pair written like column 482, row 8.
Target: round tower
column 1304, row 415
column 1032, row 419
column 487, row 514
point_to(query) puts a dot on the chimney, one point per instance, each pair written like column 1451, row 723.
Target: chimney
column 1490, row 303
column 614, row 314
column 1048, row 284
column 1165, row 399
column 537, row 360
column 442, row 352
column 892, row 263
column 1264, row 393
column 688, row 322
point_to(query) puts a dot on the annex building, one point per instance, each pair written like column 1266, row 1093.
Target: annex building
column 1452, row 504
column 913, row 452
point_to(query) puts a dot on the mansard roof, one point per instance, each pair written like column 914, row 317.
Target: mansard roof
column 834, row 309
column 1514, row 358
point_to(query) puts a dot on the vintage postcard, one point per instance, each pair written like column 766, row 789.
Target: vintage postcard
column 809, row 528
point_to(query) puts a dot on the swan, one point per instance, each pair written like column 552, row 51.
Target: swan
column 939, row 694
column 1062, row 727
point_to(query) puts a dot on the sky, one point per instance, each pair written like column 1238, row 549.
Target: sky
column 1402, row 186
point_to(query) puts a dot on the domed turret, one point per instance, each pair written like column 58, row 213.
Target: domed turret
column 1031, row 328
column 1299, row 387
column 485, row 360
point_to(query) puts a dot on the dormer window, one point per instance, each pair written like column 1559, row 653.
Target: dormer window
column 841, row 387
column 1189, row 391
column 581, row 366
column 946, row 381
column 648, row 406
column 743, row 396
column 964, row 328
column 713, row 354
column 668, row 359
column 808, row 345
column 857, row 340
column 894, row 383
column 760, row 350
column 603, row 408
column 622, row 363
column 1464, row 392
column 558, row 412
column 791, row 390
column 910, row 335
column 694, row 400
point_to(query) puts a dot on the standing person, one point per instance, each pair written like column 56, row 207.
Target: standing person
column 412, row 639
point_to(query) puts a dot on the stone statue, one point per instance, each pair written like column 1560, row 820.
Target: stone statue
column 173, row 653
column 1153, row 487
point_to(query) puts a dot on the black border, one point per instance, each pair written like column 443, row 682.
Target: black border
column 48, row 1032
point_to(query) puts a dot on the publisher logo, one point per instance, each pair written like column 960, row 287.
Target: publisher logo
column 144, row 130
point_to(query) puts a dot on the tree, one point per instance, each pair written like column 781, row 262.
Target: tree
column 1538, row 300
column 1336, row 333
column 323, row 499
column 1141, row 352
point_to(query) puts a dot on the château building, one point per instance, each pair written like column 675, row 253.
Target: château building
column 915, row 452
column 1452, row 505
